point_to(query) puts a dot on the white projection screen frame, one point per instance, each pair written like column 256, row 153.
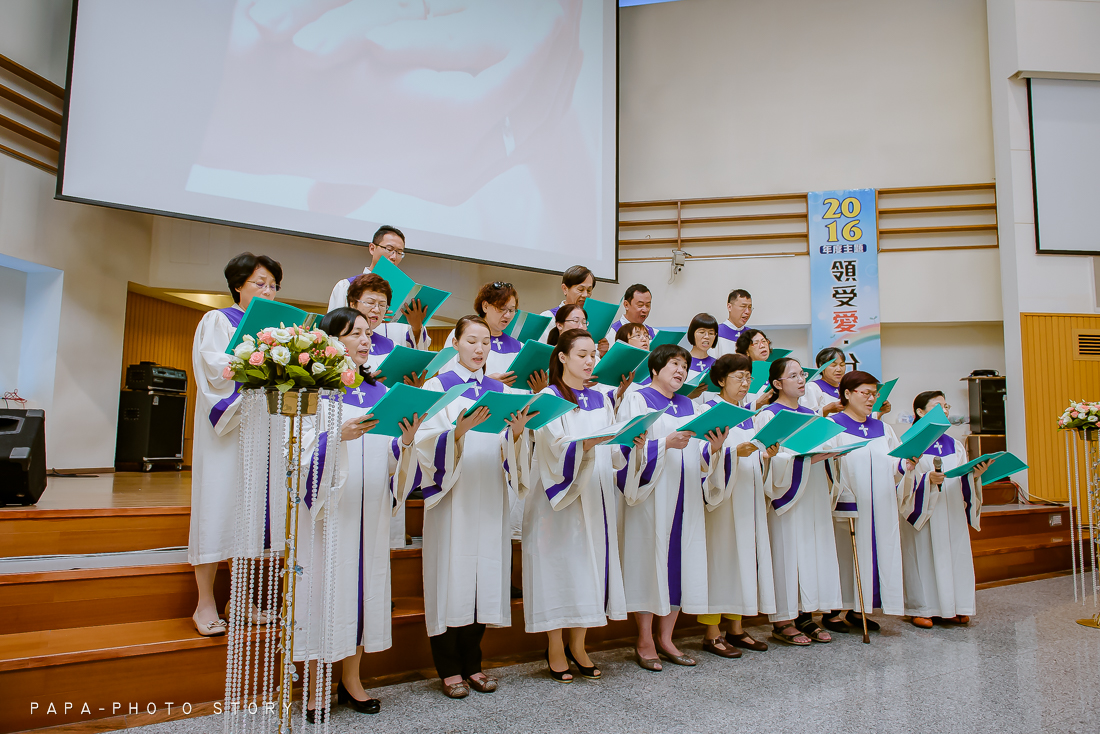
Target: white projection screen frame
column 485, row 129
column 1064, row 116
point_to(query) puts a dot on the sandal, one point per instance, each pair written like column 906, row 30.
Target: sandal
column 856, row 620
column 718, row 646
column 559, row 675
column 791, row 639
column 813, row 630
column 745, row 641
column 923, row 622
column 590, row 672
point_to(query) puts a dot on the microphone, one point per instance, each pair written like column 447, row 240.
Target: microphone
column 937, row 462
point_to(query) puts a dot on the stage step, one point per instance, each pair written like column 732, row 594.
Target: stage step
column 35, row 532
column 1022, row 556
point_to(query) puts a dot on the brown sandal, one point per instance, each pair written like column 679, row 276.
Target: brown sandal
column 790, row 639
column 721, row 648
column 813, row 630
column 746, row 642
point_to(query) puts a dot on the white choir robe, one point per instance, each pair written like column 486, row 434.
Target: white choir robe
column 800, row 528
column 866, row 483
column 662, row 537
column 399, row 333
column 728, row 335
column 618, row 324
column 937, row 561
column 571, row 571
column 551, row 312
column 739, row 552
column 469, row 489
column 819, row 393
column 698, row 366
column 373, row 476
column 215, row 462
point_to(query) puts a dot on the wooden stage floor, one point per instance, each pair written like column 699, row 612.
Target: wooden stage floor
column 114, row 490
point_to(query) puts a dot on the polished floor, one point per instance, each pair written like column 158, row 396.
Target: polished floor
column 1023, row 665
column 114, row 490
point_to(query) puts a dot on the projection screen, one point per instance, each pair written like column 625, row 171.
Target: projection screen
column 484, row 129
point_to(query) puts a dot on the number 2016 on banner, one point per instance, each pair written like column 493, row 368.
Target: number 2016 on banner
column 849, row 209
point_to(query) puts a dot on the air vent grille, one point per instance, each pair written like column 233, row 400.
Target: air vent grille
column 1086, row 344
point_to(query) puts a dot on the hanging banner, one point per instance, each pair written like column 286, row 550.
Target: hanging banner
column 844, row 276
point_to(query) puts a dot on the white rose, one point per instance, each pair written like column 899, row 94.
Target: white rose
column 263, row 347
column 281, row 335
column 244, row 350
column 348, row 365
column 303, row 342
column 336, row 344
column 317, row 368
column 1093, row 419
column 280, row 355
column 249, row 338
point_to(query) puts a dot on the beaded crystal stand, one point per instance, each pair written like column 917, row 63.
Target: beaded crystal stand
column 1083, row 463
column 279, row 433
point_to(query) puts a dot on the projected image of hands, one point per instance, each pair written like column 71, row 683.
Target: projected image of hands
column 480, row 120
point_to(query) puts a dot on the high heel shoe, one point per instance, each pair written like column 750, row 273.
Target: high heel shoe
column 558, row 676
column 370, row 706
column 311, row 716
column 591, row 672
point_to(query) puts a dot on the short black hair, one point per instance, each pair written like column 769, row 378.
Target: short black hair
column 576, row 275
column 241, row 268
column 853, row 380
column 923, row 399
column 664, row 354
column 634, row 290
column 745, row 340
column 339, row 322
column 738, row 293
column 727, row 364
column 627, row 330
column 701, row 321
column 828, row 355
column 383, row 231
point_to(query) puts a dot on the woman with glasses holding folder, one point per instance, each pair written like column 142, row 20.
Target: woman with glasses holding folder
column 374, row 474
column 471, row 480
column 936, row 557
column 572, row 579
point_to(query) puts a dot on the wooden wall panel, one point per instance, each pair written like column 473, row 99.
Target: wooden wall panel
column 1052, row 377
column 162, row 332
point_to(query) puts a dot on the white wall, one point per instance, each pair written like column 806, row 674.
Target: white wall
column 13, row 292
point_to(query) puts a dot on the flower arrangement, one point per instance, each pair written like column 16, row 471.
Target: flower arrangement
column 1080, row 415
column 289, row 358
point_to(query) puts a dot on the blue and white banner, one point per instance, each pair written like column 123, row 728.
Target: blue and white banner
column 844, row 276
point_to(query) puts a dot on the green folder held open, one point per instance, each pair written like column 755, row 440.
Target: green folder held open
column 777, row 354
column 500, row 405
column 917, row 440
column 621, row 359
column 262, row 313
column 784, row 425
column 400, row 403
column 691, row 385
column 719, row 417
column 934, row 415
column 666, row 336
column 1004, row 464
column 884, row 391
column 839, row 451
column 812, row 373
column 624, row 432
column 812, row 435
column 404, row 361
column 760, row 372
column 533, row 357
column 549, row 407
column 406, row 290
column 601, row 314
column 527, row 325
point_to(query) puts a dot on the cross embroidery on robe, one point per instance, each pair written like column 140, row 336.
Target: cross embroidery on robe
column 358, row 395
column 863, row 429
column 584, row 400
column 938, row 447
column 496, row 343
column 477, row 387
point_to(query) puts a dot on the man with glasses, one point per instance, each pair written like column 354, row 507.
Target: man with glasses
column 739, row 307
column 637, row 302
column 387, row 242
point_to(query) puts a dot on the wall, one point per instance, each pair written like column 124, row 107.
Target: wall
column 13, row 291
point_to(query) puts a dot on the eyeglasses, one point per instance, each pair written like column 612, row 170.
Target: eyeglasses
column 580, row 323
column 264, row 287
column 500, row 285
column 373, row 305
column 399, row 253
column 743, row 379
column 796, row 378
column 867, row 393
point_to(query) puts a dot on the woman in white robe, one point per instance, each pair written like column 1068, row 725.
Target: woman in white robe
column 800, row 523
column 636, row 336
column 701, row 335
column 577, row 284
column 866, row 484
column 471, row 480
column 822, row 396
column 663, row 540
column 215, row 463
column 572, row 578
column 373, row 476
column 739, row 557
column 755, row 345
column 936, row 517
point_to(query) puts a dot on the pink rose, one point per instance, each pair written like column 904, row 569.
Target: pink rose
column 347, row 377
column 303, row 359
column 257, row 358
column 1074, row 414
column 227, row 373
column 319, row 336
column 330, row 351
column 267, row 339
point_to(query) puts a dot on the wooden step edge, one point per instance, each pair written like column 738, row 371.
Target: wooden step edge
column 49, row 660
column 1035, row 509
column 36, row 514
column 1021, row 579
column 1037, row 541
column 85, row 574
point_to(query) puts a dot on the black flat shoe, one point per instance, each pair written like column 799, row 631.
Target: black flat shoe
column 835, row 624
column 856, row 621
column 592, row 673
column 556, row 675
column 370, row 706
column 311, row 715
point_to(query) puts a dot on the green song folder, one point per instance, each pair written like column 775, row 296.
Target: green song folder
column 719, row 417
column 262, row 313
column 917, row 440
column 448, row 397
column 624, row 432
column 690, row 386
column 935, row 415
column 527, row 325
column 500, row 405
column 666, row 336
column 884, row 391
column 621, row 359
column 406, row 290
column 1004, row 464
column 760, row 372
column 784, row 425
column 812, row 373
column 777, row 354
column 533, row 357
column 549, row 407
column 601, row 314
column 400, row 403
column 812, row 435
column 840, row 451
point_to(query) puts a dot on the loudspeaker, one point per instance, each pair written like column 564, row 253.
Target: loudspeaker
column 987, row 404
column 150, row 428
column 22, row 456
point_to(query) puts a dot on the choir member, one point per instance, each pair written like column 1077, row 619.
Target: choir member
column 636, row 336
column 755, row 345
column 388, row 242
column 572, row 578
column 701, row 335
column 739, row 308
column 577, row 284
column 637, row 302
column 471, row 479
column 569, row 316
column 739, row 574
column 215, row 466
column 937, row 561
column 867, row 489
column 822, row 394
column 373, row 476
column 800, row 522
column 663, row 540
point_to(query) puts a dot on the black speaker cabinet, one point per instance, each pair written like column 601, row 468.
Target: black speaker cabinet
column 22, row 456
column 987, row 404
column 150, row 428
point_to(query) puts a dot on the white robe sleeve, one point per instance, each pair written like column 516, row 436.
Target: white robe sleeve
column 209, row 361
column 563, row 465
column 405, row 473
column 438, row 457
column 328, row 467
column 716, row 472
column 339, row 296
column 917, row 497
